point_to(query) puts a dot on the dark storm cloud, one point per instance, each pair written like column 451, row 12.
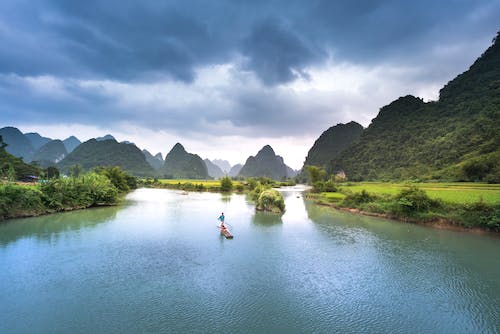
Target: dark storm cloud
column 147, row 40
column 80, row 62
column 276, row 53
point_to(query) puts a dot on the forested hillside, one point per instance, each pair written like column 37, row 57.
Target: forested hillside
column 331, row 143
column 12, row 167
column 266, row 163
column 180, row 164
column 455, row 138
column 93, row 153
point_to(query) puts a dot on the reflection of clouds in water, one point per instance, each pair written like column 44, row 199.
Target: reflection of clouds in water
column 295, row 211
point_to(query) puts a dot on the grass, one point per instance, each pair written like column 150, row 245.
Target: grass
column 456, row 192
column 206, row 183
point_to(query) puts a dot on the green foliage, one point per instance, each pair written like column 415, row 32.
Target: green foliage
column 329, row 145
column 9, row 162
column 51, row 172
column 271, row 200
column 19, row 201
column 78, row 192
column 414, row 200
column 93, row 153
column 464, row 204
column 413, row 140
column 226, row 184
column 483, row 168
column 324, row 186
column 265, row 164
column 11, row 174
column 120, row 179
column 180, row 164
column 355, row 199
column 316, row 173
column 479, row 214
column 75, row 170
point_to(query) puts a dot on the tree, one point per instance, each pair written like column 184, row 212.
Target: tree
column 52, row 172
column 75, row 170
column 226, row 184
column 316, row 173
column 11, row 174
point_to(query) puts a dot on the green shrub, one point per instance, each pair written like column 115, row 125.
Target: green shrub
column 226, row 185
column 271, row 200
column 19, row 201
column 413, row 200
column 83, row 191
column 480, row 214
column 355, row 199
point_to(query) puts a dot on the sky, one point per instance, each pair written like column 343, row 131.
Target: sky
column 226, row 77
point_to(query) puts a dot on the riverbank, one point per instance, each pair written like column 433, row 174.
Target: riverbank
column 103, row 187
column 412, row 204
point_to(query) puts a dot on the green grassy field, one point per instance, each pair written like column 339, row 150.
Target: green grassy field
column 206, row 183
column 456, row 192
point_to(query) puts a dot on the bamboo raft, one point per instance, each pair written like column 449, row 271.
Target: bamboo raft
column 225, row 232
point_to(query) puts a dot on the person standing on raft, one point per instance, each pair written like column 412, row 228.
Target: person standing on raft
column 221, row 218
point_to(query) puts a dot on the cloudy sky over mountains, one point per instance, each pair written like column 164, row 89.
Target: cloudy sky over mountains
column 225, row 78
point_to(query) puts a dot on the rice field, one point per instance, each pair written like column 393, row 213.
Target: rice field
column 454, row 192
column 206, row 183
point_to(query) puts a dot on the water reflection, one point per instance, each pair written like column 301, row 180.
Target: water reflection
column 266, row 218
column 48, row 228
column 226, row 197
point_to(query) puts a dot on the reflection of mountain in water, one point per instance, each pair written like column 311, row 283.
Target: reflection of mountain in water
column 266, row 218
column 49, row 227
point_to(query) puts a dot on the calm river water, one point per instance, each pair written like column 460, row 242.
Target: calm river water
column 158, row 264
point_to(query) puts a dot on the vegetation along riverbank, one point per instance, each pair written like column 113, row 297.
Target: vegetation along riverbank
column 444, row 205
column 259, row 189
column 99, row 187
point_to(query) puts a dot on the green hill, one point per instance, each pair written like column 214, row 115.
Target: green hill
column 17, row 143
column 36, row 140
column 330, row 144
column 455, row 138
column 93, row 153
column 267, row 164
column 20, row 167
column 71, row 143
column 180, row 164
column 50, row 153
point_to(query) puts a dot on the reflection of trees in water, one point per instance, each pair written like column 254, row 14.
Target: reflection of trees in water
column 49, row 227
column 266, row 218
column 226, row 197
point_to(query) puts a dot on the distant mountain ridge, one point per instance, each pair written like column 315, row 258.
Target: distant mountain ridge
column 36, row 140
column 213, row 170
column 155, row 161
column 235, row 170
column 224, row 165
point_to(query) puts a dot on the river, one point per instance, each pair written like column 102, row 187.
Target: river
column 157, row 264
